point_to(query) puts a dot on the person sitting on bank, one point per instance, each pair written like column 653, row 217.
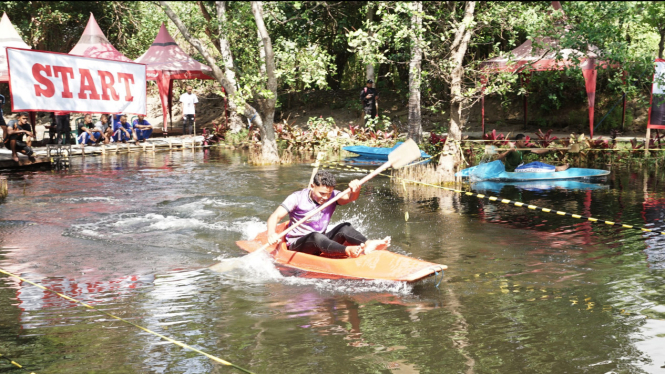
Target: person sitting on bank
column 122, row 129
column 13, row 134
column 513, row 159
column 105, row 129
column 311, row 236
column 368, row 99
column 88, row 133
column 142, row 128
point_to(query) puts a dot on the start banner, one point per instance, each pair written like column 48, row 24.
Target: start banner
column 46, row 81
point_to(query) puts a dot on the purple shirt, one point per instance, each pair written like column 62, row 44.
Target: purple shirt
column 298, row 204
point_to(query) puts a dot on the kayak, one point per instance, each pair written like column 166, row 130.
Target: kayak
column 378, row 265
column 376, row 153
column 496, row 171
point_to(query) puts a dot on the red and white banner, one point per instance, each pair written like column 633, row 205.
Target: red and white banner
column 657, row 106
column 45, row 81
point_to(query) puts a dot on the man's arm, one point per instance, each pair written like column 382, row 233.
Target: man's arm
column 541, row 151
column 353, row 195
column 275, row 217
column 504, row 154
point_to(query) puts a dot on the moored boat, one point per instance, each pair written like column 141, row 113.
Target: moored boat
column 376, row 153
column 378, row 265
column 495, row 171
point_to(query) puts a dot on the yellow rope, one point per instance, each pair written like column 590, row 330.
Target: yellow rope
column 505, row 201
column 180, row 344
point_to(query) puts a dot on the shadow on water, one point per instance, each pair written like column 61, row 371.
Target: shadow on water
column 132, row 234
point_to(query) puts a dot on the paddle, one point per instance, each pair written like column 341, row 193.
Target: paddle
column 574, row 148
column 401, row 156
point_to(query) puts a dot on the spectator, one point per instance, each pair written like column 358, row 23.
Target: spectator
column 3, row 124
column 89, row 133
column 188, row 101
column 122, row 129
column 62, row 127
column 13, row 137
column 142, row 129
column 52, row 128
column 368, row 99
column 105, row 129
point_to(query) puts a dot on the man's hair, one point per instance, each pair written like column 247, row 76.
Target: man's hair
column 324, row 178
column 23, row 114
column 519, row 136
column 104, row 116
column 123, row 115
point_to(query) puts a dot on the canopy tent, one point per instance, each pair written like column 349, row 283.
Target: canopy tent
column 546, row 56
column 166, row 61
column 93, row 43
column 9, row 37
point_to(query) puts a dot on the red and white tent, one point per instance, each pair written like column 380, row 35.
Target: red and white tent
column 9, row 37
column 546, row 56
column 93, row 43
column 166, row 61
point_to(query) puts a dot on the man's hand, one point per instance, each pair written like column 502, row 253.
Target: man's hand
column 355, row 186
column 274, row 239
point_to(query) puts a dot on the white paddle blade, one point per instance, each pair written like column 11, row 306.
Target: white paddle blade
column 490, row 149
column 404, row 154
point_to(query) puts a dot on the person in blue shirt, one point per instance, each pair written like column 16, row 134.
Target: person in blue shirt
column 142, row 129
column 122, row 130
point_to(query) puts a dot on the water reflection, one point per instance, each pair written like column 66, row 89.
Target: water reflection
column 525, row 291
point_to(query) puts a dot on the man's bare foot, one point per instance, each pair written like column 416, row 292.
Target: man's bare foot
column 562, row 167
column 353, row 251
column 376, row 245
column 15, row 158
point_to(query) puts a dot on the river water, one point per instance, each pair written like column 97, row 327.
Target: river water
column 526, row 292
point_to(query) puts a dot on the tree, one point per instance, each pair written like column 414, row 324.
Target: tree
column 655, row 17
column 415, row 122
column 448, row 162
column 268, row 144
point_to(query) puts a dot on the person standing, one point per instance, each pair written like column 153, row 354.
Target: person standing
column 188, row 101
column 62, row 127
column 2, row 118
column 142, row 128
column 368, row 98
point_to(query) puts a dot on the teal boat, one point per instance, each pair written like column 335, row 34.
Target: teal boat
column 496, row 171
column 376, row 153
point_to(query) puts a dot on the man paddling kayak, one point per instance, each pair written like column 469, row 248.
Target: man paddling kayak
column 311, row 237
column 512, row 159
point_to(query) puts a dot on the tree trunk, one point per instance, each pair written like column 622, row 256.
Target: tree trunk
column 269, row 151
column 415, row 120
column 369, row 68
column 219, row 75
column 235, row 121
column 448, row 163
column 262, row 53
column 661, row 44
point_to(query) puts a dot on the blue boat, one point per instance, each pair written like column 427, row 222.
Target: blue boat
column 496, row 171
column 376, row 153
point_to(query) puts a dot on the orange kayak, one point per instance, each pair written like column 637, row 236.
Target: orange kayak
column 380, row 265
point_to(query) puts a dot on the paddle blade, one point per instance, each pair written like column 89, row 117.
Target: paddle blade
column 490, row 149
column 404, row 154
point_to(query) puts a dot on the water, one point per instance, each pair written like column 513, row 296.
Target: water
column 526, row 292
